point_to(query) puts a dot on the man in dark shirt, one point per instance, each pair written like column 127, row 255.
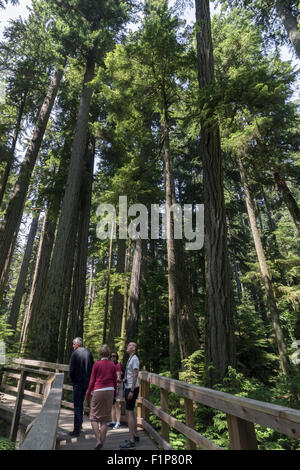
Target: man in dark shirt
column 81, row 364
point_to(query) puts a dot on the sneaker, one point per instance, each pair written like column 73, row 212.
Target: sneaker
column 136, row 438
column 127, row 445
column 116, row 426
column 111, row 424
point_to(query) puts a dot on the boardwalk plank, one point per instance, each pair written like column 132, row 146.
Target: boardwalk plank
column 86, row 440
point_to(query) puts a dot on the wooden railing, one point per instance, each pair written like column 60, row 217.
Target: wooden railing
column 42, row 435
column 37, row 368
column 241, row 413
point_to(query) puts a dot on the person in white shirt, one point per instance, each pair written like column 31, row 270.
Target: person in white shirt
column 131, row 383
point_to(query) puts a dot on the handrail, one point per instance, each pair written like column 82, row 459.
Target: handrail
column 43, row 364
column 241, row 412
column 42, row 435
column 14, row 371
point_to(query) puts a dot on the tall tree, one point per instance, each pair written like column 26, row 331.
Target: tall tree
column 270, row 13
column 220, row 350
column 10, row 224
column 14, row 310
column 51, row 307
column 282, row 349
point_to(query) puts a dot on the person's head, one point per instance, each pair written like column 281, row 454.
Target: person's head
column 104, row 351
column 131, row 348
column 77, row 343
column 114, row 357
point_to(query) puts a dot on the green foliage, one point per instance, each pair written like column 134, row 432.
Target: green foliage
column 193, row 372
column 6, row 444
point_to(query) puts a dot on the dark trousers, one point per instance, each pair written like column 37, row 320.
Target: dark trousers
column 79, row 391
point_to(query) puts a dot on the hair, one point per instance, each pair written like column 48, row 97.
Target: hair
column 115, row 352
column 104, row 351
column 78, row 341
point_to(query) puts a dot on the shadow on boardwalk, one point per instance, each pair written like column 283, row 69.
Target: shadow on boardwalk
column 86, row 440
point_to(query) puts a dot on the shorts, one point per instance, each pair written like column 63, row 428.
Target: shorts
column 130, row 404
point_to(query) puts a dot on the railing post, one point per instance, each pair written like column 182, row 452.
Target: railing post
column 165, row 428
column 146, row 412
column 139, row 404
column 189, row 421
column 143, row 412
column 3, row 378
column 38, row 386
column 18, row 406
column 241, row 433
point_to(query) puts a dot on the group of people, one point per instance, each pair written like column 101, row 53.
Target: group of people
column 106, row 381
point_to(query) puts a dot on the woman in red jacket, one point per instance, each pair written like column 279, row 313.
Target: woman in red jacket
column 103, row 384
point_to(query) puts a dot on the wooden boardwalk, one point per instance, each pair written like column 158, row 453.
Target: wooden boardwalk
column 86, row 440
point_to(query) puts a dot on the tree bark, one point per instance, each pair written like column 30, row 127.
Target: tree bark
column 13, row 148
column 134, row 292
column 32, row 315
column 115, row 323
column 5, row 272
column 53, row 299
column 65, row 332
column 290, row 23
column 282, row 349
column 77, row 307
column 31, row 318
column 220, row 343
column 288, row 199
column 12, row 218
column 91, row 292
column 174, row 349
column 15, row 308
column 122, row 345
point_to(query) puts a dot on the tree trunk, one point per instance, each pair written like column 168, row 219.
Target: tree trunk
column 91, row 292
column 282, row 349
column 174, row 349
column 53, row 299
column 32, row 315
column 290, row 23
column 185, row 341
column 79, row 278
column 272, row 225
column 65, row 332
column 15, row 308
column 13, row 147
column 5, row 272
column 12, row 218
column 122, row 345
column 288, row 199
column 32, row 318
column 106, row 308
column 220, row 344
column 115, row 323
column 134, row 293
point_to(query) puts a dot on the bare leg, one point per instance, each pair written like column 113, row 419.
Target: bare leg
column 113, row 413
column 118, row 411
column 103, row 431
column 131, row 424
column 96, row 430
